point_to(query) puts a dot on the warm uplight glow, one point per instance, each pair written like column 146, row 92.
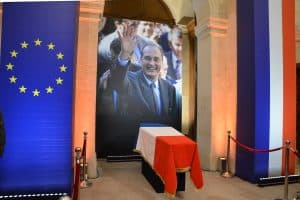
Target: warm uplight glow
column 86, row 70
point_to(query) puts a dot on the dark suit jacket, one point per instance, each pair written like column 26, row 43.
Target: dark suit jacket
column 2, row 135
column 171, row 72
column 137, row 94
column 164, row 42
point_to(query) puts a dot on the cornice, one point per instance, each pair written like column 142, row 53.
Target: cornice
column 183, row 29
column 187, row 25
column 91, row 11
column 213, row 26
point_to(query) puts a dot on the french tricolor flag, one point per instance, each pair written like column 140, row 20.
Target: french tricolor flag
column 266, row 85
column 168, row 151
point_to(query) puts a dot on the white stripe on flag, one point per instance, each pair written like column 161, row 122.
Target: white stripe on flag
column 276, row 85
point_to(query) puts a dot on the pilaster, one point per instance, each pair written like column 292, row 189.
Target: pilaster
column 215, row 90
column 86, row 74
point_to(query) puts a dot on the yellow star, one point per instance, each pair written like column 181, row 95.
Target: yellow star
column 59, row 81
column 37, row 42
column 49, row 89
column 13, row 53
column 13, row 79
column 36, row 93
column 63, row 68
column 22, row 89
column 24, row 45
column 51, row 46
column 9, row 66
column 60, row 56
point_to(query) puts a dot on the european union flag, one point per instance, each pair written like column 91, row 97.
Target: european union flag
column 36, row 88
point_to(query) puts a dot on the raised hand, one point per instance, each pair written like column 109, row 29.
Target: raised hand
column 128, row 41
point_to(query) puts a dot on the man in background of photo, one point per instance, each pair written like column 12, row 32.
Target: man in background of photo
column 174, row 56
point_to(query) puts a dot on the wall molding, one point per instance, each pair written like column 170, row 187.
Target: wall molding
column 91, row 11
column 213, row 26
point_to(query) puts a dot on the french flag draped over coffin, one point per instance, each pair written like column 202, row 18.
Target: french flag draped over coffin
column 169, row 151
column 266, row 112
column 36, row 86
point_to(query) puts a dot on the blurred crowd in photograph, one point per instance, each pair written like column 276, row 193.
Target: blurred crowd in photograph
column 169, row 39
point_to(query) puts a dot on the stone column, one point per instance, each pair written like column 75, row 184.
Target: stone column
column 187, row 86
column 85, row 79
column 189, row 78
column 216, row 78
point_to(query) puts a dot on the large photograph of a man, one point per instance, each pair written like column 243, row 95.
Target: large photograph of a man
column 139, row 82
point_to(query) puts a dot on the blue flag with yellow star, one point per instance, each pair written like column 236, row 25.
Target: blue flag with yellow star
column 36, row 89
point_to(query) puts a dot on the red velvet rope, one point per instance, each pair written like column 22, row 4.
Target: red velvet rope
column 76, row 182
column 254, row 150
column 83, row 148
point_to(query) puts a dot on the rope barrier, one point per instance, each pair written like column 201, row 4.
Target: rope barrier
column 286, row 147
column 255, row 150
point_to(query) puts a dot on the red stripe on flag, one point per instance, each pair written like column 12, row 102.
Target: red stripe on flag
column 289, row 77
column 173, row 153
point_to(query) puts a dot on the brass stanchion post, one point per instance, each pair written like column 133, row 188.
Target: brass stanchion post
column 286, row 179
column 78, row 152
column 286, row 175
column 85, row 183
column 227, row 173
column 75, row 195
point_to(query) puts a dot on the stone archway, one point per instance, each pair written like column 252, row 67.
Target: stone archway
column 148, row 10
column 215, row 30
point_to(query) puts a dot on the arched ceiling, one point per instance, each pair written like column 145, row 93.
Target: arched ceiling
column 163, row 11
column 180, row 8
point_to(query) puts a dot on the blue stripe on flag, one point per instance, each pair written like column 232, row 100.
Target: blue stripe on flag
column 245, row 87
column 262, row 87
column 253, row 87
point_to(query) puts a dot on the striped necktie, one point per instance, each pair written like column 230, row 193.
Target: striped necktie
column 178, row 69
column 155, row 98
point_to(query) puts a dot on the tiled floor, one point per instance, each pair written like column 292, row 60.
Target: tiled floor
column 124, row 181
